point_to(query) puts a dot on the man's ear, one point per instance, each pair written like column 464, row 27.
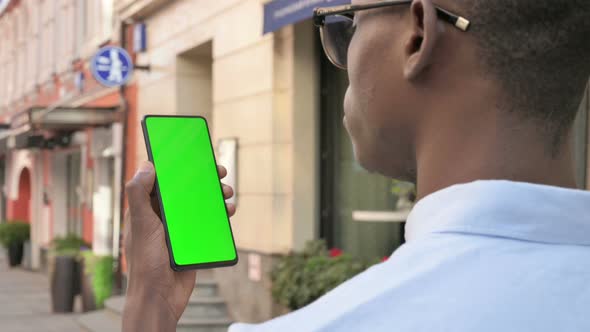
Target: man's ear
column 423, row 38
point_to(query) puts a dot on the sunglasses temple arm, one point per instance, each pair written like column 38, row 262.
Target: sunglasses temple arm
column 459, row 22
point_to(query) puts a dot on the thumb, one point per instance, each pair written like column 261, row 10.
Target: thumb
column 139, row 188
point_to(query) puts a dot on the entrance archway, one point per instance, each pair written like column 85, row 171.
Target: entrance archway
column 22, row 205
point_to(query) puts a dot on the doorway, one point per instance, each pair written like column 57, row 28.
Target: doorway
column 66, row 192
column 102, row 206
column 194, row 81
column 22, row 206
column 73, row 201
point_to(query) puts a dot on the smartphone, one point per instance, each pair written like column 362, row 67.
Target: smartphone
column 188, row 188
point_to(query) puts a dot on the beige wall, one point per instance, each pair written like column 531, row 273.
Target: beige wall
column 254, row 98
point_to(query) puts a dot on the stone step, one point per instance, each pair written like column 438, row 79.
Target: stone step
column 197, row 306
column 99, row 321
column 203, row 325
column 106, row 321
column 205, row 288
column 206, row 312
column 205, row 307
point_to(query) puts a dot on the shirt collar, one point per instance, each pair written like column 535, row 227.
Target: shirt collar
column 499, row 208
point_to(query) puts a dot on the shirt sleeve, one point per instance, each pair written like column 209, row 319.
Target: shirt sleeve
column 240, row 327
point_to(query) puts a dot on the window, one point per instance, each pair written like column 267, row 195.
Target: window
column 30, row 45
column 59, row 32
column 3, row 48
column 7, row 50
column 106, row 19
column 17, row 52
column 48, row 37
column 80, row 26
column 70, row 30
column 64, row 29
column 33, row 41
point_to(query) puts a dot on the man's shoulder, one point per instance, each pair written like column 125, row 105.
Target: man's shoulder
column 426, row 287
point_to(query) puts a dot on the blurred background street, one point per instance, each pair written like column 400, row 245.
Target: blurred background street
column 76, row 78
column 25, row 302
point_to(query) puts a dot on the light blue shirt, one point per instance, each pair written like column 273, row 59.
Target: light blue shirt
column 491, row 256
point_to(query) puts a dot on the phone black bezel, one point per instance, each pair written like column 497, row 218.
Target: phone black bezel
column 173, row 265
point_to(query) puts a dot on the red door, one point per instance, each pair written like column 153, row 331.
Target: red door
column 22, row 206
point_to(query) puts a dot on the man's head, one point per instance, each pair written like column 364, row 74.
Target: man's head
column 414, row 78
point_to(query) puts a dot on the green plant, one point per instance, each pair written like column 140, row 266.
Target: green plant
column 100, row 270
column 403, row 189
column 301, row 278
column 14, row 232
column 69, row 245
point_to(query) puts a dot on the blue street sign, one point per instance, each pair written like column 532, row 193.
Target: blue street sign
column 279, row 13
column 111, row 66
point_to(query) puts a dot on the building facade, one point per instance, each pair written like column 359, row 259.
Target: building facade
column 279, row 98
column 61, row 143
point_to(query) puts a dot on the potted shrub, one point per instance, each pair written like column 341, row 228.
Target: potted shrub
column 64, row 270
column 13, row 234
column 301, row 278
column 97, row 280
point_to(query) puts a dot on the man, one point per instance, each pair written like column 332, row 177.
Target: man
column 479, row 114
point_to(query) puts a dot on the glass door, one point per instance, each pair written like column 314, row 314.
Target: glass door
column 358, row 209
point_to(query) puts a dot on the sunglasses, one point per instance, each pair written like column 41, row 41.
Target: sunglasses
column 337, row 27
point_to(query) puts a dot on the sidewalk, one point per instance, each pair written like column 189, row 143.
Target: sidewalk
column 25, row 305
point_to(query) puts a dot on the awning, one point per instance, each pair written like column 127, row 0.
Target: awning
column 4, row 127
column 279, row 13
column 27, row 127
column 64, row 118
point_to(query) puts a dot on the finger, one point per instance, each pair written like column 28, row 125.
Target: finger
column 231, row 209
column 139, row 189
column 222, row 171
column 127, row 236
column 228, row 191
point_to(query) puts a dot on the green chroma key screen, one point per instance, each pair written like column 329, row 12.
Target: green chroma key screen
column 193, row 208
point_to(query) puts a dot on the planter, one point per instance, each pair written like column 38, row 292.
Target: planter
column 77, row 282
column 88, row 297
column 97, row 280
column 27, row 264
column 63, row 283
column 15, row 253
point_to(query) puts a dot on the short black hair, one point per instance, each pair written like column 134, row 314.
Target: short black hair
column 539, row 50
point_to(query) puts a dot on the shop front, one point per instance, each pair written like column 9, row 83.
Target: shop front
column 50, row 173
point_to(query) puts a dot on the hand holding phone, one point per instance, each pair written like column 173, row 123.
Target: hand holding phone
column 156, row 294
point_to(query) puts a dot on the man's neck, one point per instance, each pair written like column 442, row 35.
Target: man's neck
column 488, row 147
